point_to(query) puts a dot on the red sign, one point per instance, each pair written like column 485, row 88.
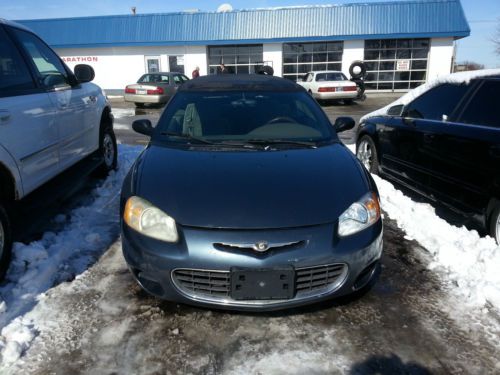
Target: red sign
column 80, row 59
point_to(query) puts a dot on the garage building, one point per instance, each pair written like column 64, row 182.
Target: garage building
column 404, row 43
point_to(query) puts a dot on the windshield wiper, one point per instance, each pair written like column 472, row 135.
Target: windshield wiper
column 270, row 142
column 188, row 137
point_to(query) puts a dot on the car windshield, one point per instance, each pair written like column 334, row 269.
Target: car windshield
column 146, row 78
column 245, row 117
column 334, row 76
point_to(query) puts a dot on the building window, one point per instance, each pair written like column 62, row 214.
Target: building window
column 238, row 59
column 300, row 58
column 396, row 64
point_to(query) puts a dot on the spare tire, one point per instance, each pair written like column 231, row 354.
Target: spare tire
column 362, row 67
column 266, row 69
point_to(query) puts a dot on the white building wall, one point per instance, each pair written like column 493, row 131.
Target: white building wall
column 273, row 55
column 353, row 50
column 440, row 57
column 116, row 67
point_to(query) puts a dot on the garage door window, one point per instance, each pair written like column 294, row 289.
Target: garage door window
column 238, row 59
column 396, row 64
column 301, row 58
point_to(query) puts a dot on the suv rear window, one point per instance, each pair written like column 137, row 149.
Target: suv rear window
column 483, row 108
column 14, row 74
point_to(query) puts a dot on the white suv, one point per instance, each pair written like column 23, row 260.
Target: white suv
column 50, row 119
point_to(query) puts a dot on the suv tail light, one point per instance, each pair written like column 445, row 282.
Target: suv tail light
column 128, row 90
column 156, row 91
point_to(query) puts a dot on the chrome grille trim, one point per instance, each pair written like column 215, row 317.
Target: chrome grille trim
column 214, row 286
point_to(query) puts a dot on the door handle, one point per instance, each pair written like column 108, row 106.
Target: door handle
column 4, row 117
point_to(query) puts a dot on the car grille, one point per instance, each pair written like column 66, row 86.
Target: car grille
column 318, row 278
column 206, row 283
column 216, row 285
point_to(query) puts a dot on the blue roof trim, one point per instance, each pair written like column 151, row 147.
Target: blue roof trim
column 417, row 18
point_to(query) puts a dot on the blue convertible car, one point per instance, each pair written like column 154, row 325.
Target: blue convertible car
column 246, row 199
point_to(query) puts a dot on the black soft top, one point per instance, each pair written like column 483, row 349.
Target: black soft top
column 233, row 82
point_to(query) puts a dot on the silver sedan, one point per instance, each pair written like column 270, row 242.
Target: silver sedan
column 154, row 88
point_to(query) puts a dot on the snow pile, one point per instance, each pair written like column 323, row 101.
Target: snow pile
column 58, row 257
column 455, row 78
column 471, row 262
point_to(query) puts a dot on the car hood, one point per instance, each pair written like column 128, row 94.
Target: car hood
column 251, row 189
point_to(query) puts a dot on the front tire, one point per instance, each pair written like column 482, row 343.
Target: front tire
column 5, row 241
column 108, row 151
column 495, row 223
column 366, row 152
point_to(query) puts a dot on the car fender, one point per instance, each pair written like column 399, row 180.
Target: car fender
column 7, row 162
column 367, row 128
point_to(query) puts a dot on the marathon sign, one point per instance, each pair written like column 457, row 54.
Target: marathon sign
column 82, row 59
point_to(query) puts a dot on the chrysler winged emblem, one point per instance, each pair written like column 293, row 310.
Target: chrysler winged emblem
column 261, row 246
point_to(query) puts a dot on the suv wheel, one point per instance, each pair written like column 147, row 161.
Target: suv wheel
column 5, row 241
column 495, row 223
column 366, row 152
column 108, row 151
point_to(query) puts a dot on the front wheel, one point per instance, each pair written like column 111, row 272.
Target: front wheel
column 5, row 241
column 495, row 223
column 366, row 152
column 108, row 151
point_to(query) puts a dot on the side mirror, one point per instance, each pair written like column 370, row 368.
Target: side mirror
column 84, row 73
column 396, row 110
column 143, row 126
column 343, row 124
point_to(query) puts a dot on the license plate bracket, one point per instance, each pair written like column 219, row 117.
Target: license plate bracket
column 262, row 284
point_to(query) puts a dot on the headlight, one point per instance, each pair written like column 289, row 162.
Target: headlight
column 359, row 215
column 151, row 221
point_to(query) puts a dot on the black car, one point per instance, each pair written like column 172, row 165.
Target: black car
column 444, row 144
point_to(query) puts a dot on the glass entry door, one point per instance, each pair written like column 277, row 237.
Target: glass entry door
column 152, row 64
column 176, row 64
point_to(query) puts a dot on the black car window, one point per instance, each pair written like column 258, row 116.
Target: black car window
column 14, row 73
column 439, row 101
column 50, row 68
column 483, row 108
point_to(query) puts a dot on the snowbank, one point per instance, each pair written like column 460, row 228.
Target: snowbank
column 470, row 261
column 58, row 257
column 456, row 78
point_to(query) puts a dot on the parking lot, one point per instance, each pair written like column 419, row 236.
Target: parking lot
column 409, row 322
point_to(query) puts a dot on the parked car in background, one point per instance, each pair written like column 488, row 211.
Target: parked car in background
column 50, row 119
column 444, row 143
column 328, row 85
column 154, row 88
column 246, row 199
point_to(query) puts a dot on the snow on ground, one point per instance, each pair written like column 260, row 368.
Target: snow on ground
column 455, row 78
column 470, row 261
column 123, row 112
column 58, row 257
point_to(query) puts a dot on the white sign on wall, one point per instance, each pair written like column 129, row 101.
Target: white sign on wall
column 402, row 65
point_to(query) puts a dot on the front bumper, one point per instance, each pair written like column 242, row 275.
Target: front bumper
column 156, row 264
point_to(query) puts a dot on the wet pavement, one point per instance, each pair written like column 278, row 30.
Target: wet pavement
column 103, row 323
